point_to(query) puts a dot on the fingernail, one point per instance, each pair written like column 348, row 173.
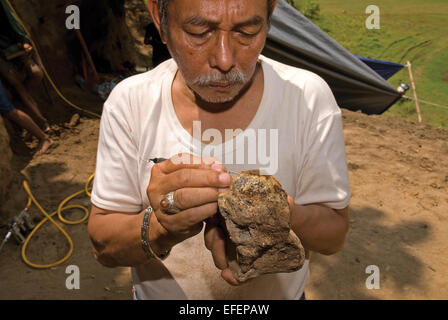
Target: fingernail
column 222, row 190
column 224, row 178
column 217, row 167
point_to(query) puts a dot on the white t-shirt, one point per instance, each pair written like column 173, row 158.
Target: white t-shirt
column 297, row 111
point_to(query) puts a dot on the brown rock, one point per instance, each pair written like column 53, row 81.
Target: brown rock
column 256, row 215
column 74, row 121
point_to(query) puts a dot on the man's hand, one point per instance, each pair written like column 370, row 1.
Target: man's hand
column 196, row 189
column 215, row 241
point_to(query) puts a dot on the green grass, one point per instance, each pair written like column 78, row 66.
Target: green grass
column 414, row 30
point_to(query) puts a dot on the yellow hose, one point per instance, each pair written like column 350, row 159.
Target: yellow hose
column 43, row 67
column 48, row 217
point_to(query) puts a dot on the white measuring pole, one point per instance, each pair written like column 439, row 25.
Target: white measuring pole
column 415, row 92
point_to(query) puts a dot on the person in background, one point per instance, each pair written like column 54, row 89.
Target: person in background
column 22, row 119
column 17, row 65
column 160, row 51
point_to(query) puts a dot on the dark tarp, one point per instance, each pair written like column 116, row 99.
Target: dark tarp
column 296, row 41
column 385, row 69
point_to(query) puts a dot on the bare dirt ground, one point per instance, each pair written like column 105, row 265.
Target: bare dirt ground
column 399, row 180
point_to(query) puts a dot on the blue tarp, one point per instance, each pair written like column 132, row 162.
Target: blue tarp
column 385, row 69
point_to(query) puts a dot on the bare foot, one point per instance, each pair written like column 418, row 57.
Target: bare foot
column 43, row 146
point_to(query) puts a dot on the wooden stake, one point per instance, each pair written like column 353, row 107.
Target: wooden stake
column 87, row 54
column 17, row 54
column 417, row 106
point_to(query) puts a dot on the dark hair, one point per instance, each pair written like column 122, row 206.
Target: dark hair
column 163, row 8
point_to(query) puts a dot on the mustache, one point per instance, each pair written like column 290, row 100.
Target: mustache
column 233, row 77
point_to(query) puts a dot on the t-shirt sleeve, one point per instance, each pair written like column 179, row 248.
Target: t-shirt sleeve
column 323, row 174
column 116, row 184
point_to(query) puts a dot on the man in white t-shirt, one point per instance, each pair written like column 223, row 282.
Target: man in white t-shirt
column 217, row 107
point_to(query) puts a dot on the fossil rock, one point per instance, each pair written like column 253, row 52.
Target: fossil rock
column 256, row 215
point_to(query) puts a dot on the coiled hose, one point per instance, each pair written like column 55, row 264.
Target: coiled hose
column 48, row 217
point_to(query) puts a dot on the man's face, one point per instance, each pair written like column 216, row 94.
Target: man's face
column 216, row 44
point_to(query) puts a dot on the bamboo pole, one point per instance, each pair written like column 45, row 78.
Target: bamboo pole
column 417, row 106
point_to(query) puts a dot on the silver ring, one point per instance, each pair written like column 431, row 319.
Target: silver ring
column 167, row 204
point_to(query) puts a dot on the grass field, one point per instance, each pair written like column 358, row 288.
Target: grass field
column 414, row 30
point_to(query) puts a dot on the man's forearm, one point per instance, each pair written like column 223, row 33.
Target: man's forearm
column 320, row 228
column 116, row 238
